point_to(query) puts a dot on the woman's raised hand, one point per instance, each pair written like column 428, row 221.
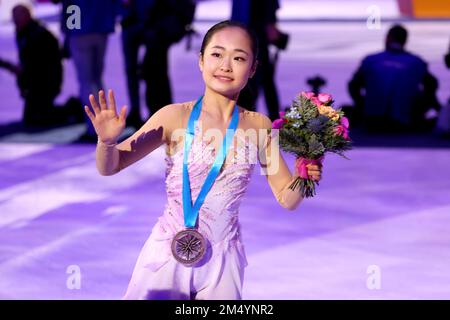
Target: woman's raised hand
column 107, row 123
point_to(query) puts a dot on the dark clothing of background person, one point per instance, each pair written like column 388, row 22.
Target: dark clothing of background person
column 40, row 75
column 258, row 15
column 87, row 44
column 393, row 90
column 398, row 90
column 156, row 25
column 443, row 122
column 134, row 16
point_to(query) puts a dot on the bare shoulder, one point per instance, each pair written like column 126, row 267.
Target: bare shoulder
column 176, row 109
column 257, row 120
column 169, row 118
column 185, row 106
column 172, row 115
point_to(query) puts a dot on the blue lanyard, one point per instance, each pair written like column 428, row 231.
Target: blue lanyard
column 191, row 212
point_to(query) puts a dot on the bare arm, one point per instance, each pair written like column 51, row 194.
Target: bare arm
column 112, row 157
column 277, row 172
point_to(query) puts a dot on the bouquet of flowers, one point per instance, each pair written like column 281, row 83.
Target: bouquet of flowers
column 310, row 128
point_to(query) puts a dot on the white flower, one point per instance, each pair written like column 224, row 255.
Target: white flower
column 293, row 113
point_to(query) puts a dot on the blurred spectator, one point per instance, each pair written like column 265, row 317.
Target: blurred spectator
column 11, row 67
column 443, row 123
column 393, row 90
column 260, row 16
column 134, row 16
column 155, row 25
column 447, row 59
column 39, row 73
column 87, row 46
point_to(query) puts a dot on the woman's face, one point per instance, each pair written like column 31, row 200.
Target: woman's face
column 227, row 62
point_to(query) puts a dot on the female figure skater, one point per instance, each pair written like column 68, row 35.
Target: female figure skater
column 195, row 250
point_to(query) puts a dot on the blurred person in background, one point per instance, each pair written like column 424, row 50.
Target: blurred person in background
column 155, row 25
column 260, row 17
column 87, row 46
column 39, row 72
column 393, row 90
column 443, row 122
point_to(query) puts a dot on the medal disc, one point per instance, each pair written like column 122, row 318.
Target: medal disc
column 188, row 246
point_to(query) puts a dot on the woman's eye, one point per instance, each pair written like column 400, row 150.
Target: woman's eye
column 239, row 59
column 215, row 54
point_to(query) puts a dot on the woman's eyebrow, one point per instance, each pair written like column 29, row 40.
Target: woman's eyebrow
column 241, row 50
column 238, row 50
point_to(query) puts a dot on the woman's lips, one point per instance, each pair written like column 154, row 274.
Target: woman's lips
column 223, row 78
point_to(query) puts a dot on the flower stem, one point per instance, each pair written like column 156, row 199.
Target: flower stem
column 307, row 187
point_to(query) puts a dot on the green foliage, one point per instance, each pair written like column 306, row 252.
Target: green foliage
column 309, row 134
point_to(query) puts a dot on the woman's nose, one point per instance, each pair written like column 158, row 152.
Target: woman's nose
column 225, row 66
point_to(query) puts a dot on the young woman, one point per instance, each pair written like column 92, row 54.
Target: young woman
column 195, row 250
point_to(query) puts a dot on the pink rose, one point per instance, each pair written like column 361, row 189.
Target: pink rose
column 324, row 97
column 341, row 130
column 278, row 123
column 316, row 101
column 307, row 95
column 344, row 122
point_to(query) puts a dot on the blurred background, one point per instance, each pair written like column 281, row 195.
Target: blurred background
column 385, row 62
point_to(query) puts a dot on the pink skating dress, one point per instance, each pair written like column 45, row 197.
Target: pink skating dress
column 219, row 275
column 157, row 275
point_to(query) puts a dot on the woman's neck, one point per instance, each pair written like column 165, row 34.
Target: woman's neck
column 218, row 106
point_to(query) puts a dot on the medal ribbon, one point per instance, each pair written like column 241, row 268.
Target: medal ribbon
column 191, row 211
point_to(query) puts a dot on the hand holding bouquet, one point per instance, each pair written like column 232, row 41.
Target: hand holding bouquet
column 309, row 129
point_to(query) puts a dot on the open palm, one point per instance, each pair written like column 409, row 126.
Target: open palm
column 107, row 123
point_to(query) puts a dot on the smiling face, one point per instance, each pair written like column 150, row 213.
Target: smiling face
column 227, row 61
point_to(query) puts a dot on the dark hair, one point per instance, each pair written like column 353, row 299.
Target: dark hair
column 231, row 23
column 398, row 34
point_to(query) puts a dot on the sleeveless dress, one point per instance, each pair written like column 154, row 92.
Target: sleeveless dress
column 219, row 275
